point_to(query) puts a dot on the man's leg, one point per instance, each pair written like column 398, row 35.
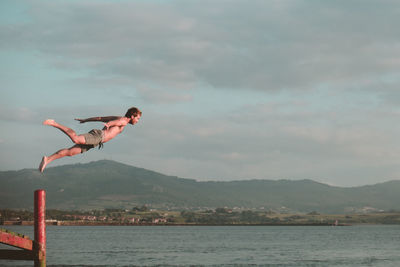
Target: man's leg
column 72, row 151
column 77, row 139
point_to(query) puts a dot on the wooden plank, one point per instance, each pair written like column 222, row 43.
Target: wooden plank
column 15, row 240
column 14, row 254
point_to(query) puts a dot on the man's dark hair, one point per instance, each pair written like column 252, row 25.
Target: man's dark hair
column 133, row 112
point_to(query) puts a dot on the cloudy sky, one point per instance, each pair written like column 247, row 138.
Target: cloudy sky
column 229, row 89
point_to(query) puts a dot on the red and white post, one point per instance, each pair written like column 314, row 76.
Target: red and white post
column 40, row 228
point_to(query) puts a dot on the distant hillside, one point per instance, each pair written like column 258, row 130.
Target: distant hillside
column 108, row 184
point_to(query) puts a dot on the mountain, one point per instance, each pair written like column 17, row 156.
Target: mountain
column 109, row 184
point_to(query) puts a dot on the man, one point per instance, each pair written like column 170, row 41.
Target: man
column 113, row 125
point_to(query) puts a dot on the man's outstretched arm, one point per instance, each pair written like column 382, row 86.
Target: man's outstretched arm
column 102, row 119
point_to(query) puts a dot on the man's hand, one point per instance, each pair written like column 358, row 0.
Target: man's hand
column 81, row 120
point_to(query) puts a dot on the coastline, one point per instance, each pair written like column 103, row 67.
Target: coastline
column 83, row 223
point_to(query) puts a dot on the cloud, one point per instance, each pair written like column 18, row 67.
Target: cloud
column 18, row 115
column 323, row 78
column 347, row 150
column 274, row 45
column 154, row 95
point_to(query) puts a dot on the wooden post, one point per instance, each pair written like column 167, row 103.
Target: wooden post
column 31, row 250
column 40, row 228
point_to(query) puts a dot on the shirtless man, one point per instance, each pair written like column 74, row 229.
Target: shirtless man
column 113, row 125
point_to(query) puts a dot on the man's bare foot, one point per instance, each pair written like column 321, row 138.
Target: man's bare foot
column 49, row 122
column 43, row 163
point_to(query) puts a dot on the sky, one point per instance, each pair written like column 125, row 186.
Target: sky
column 230, row 90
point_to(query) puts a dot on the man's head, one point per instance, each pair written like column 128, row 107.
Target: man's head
column 134, row 114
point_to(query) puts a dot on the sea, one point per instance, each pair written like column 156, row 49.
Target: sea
column 357, row 245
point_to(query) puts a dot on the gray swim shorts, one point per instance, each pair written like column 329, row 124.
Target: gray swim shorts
column 92, row 139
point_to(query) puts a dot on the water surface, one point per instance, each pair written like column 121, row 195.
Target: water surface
column 374, row 245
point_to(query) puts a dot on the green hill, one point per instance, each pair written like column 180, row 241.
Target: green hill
column 108, row 184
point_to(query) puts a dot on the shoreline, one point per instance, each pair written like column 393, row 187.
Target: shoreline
column 72, row 223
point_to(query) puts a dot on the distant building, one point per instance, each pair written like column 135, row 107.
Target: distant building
column 134, row 220
column 160, row 220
